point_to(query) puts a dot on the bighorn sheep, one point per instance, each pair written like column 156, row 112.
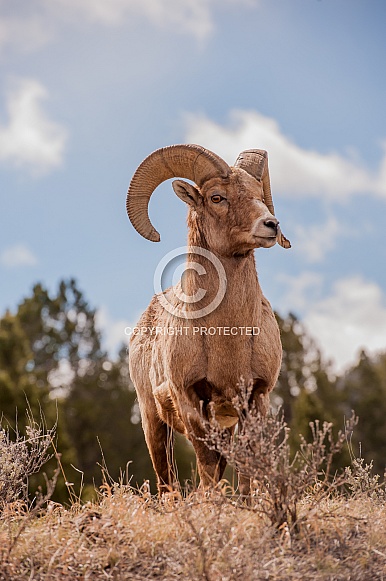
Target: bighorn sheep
column 186, row 375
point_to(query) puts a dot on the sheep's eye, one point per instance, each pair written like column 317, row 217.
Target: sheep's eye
column 216, row 199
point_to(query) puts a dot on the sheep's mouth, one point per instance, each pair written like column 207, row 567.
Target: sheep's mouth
column 255, row 241
column 265, row 241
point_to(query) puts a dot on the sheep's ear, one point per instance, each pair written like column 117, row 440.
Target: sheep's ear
column 187, row 193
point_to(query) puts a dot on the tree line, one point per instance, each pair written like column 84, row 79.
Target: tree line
column 53, row 367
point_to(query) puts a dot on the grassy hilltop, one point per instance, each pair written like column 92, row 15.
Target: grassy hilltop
column 303, row 521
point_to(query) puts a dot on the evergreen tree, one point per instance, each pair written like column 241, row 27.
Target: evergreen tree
column 98, row 413
column 60, row 329
column 102, row 419
column 18, row 391
column 364, row 390
column 306, row 388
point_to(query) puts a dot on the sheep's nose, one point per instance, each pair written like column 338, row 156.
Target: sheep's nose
column 272, row 223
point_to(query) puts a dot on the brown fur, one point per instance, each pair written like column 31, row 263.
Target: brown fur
column 179, row 379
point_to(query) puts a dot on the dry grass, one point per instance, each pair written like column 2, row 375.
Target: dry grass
column 130, row 535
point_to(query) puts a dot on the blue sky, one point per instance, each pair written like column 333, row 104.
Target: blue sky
column 88, row 88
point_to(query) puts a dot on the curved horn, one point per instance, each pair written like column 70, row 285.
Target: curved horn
column 255, row 162
column 192, row 162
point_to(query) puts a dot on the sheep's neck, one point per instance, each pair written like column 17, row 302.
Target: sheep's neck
column 228, row 352
column 241, row 305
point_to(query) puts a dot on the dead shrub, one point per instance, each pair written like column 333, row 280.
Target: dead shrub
column 20, row 457
column 279, row 480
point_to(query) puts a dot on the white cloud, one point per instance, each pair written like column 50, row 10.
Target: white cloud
column 18, row 255
column 316, row 240
column 192, row 16
column 352, row 318
column 299, row 290
column 30, row 139
column 34, row 31
column 295, row 171
column 41, row 24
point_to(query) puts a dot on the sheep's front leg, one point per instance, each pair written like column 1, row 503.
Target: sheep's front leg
column 159, row 440
column 210, row 463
